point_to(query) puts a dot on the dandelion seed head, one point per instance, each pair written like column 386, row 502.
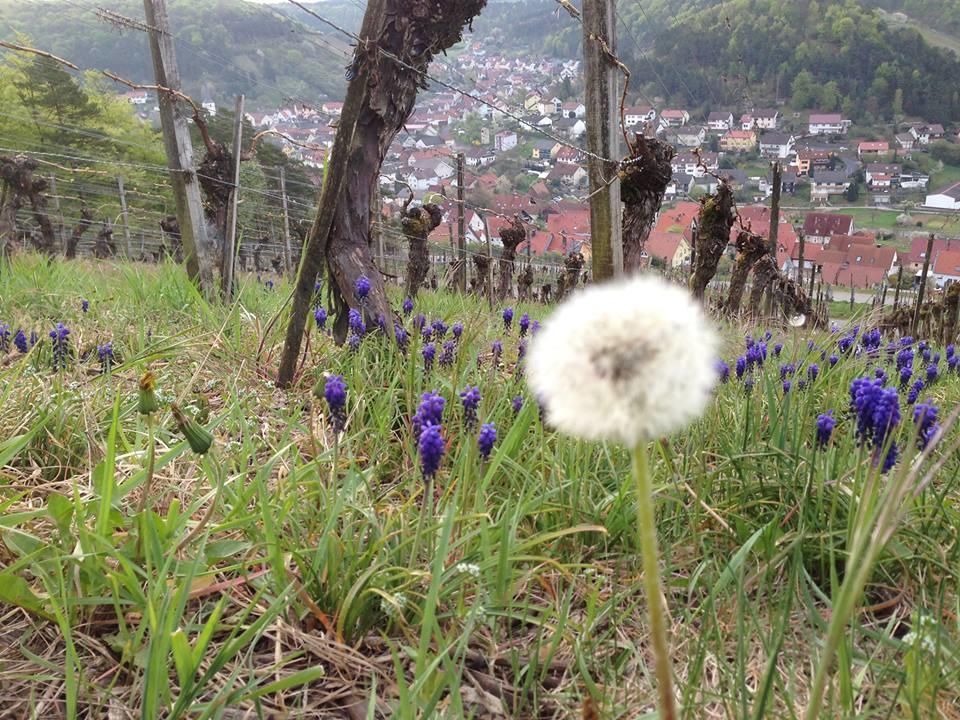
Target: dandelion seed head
column 625, row 361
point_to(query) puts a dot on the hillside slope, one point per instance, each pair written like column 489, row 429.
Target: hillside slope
column 224, row 47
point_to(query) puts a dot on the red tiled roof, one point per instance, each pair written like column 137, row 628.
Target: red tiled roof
column 947, row 263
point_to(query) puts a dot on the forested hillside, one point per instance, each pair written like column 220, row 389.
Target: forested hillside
column 224, row 47
column 821, row 55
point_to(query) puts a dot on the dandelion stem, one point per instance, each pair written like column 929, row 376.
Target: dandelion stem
column 151, row 455
column 646, row 526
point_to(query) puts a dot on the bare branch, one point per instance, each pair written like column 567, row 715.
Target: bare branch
column 41, row 53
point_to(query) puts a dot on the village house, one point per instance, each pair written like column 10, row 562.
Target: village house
column 946, row 267
column 692, row 136
column 137, row 97
column 946, row 199
column 828, row 124
column 913, row 260
column 819, row 227
column 479, row 157
column 720, row 121
column 924, row 134
column 543, row 150
column 777, row 145
column 668, row 249
column 532, row 101
column 332, row 108
column 871, row 150
column 906, row 141
column 808, row 161
column 881, row 176
column 505, row 140
column 568, row 175
column 826, row 183
column 576, row 110
column 674, row 118
column 690, row 164
column 637, row 115
column 738, row 141
column 765, row 119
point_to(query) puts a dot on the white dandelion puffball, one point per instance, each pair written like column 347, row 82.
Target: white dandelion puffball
column 628, row 361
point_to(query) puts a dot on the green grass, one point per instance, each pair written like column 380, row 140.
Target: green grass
column 330, row 575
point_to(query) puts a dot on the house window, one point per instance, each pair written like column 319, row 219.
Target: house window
column 859, row 258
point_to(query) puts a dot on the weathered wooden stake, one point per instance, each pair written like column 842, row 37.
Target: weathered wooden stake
column 288, row 249
column 896, row 294
column 461, row 227
column 603, row 137
column 123, row 217
column 803, row 243
column 923, row 286
column 228, row 261
column 179, row 149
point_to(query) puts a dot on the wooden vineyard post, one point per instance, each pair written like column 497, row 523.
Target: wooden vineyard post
column 179, row 149
column 287, row 248
column 603, row 122
column 124, row 220
column 228, row 261
column 923, row 286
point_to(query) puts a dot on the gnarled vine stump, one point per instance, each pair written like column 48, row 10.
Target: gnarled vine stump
column 643, row 183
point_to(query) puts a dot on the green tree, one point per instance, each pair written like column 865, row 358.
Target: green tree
column 829, row 96
column 56, row 102
column 804, row 89
column 898, row 103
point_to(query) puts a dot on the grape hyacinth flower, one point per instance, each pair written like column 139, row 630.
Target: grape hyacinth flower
column 777, row 349
column 429, row 352
column 335, row 393
column 517, row 404
column 105, row 354
column 381, row 322
column 833, row 360
column 521, row 350
column 878, row 412
column 933, row 373
column 801, row 384
column 926, row 354
column 507, row 318
column 439, row 329
column 741, row 367
column 471, row 402
column 429, row 412
column 4, row 337
column 353, row 342
column 786, row 370
column 825, row 425
column 953, row 363
column 812, row 371
column 457, row 330
column 269, row 284
column 914, row 392
column 449, row 353
column 84, row 305
column 767, row 335
column 432, row 448
column 487, row 439
column 497, row 348
column 60, row 349
column 20, row 342
column 419, row 321
column 723, row 371
column 407, row 306
column 906, row 341
column 401, row 336
column 535, row 327
column 426, row 332
column 925, row 418
column 880, row 374
column 786, row 386
column 320, row 317
column 629, row 361
column 356, row 322
column 362, row 288
column 905, row 375
column 524, row 324
column 317, row 286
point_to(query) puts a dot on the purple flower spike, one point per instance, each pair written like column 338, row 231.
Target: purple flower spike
column 812, row 371
column 449, row 353
column 517, row 404
column 400, row 333
column 723, row 371
column 60, row 348
column 825, row 425
column 320, row 317
column 407, row 306
column 925, row 418
column 741, row 367
column 457, row 330
column 353, row 342
column 507, row 318
column 362, row 288
column 356, row 322
column 4, row 337
column 487, row 439
column 471, row 402
column 20, row 341
column 524, row 324
column 335, row 393
column 430, row 412
column 432, row 449
column 84, row 305
column 429, row 353
column 497, row 352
